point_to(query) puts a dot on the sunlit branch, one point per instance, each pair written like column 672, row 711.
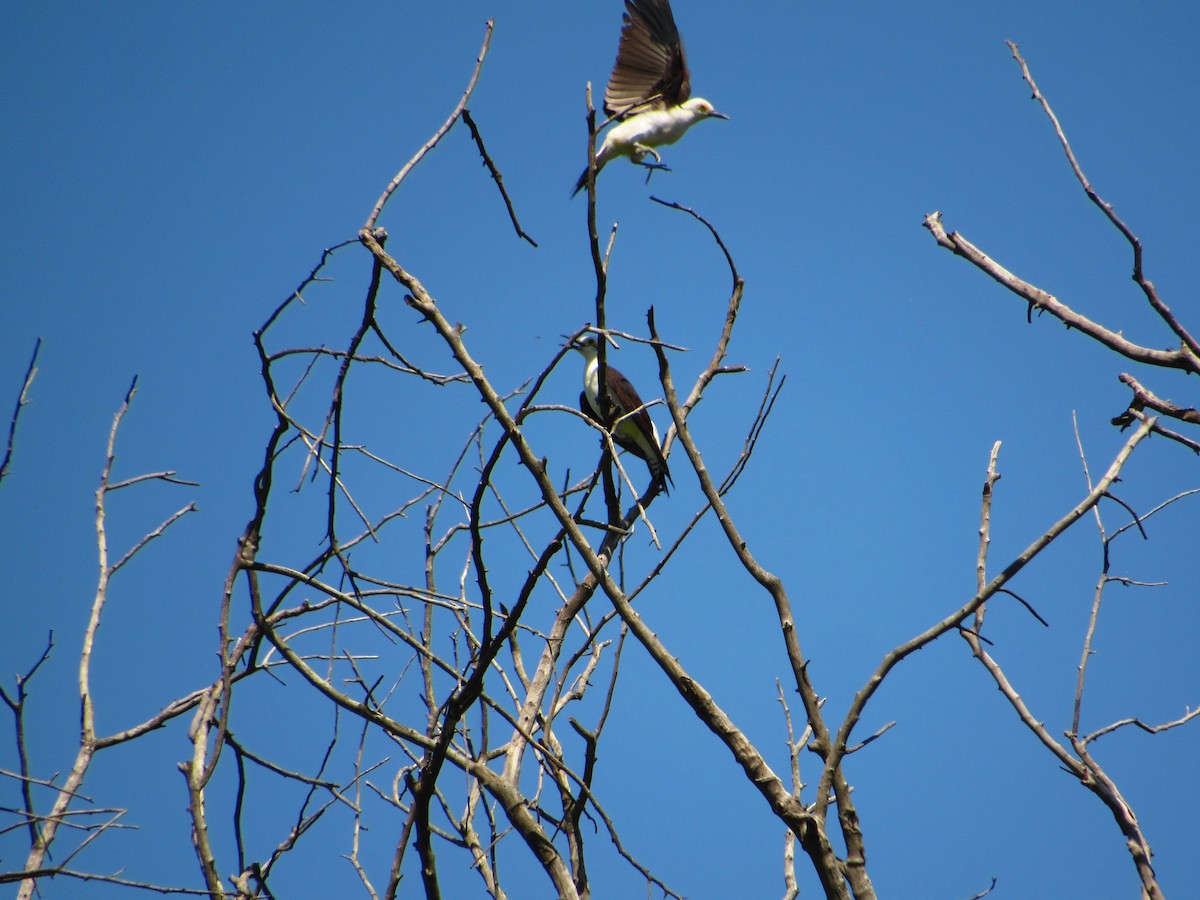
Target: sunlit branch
column 1136, row 245
column 437, row 135
column 954, row 620
column 1181, row 359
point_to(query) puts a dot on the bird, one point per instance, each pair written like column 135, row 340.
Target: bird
column 650, row 88
column 634, row 429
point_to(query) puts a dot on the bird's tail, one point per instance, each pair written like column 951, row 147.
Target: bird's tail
column 579, row 185
column 659, row 470
column 646, row 448
column 582, row 182
column 655, row 461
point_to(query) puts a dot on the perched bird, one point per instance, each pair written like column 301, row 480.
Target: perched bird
column 635, row 433
column 649, row 88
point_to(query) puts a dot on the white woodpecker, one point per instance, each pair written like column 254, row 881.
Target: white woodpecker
column 630, row 424
column 649, row 88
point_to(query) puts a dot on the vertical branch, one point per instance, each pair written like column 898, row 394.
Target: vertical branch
column 794, row 745
column 336, row 405
column 600, row 269
column 22, row 399
column 193, row 771
column 985, row 531
column 17, row 706
column 87, row 726
column 1097, row 595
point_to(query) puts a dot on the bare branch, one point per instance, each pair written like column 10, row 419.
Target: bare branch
column 168, row 477
column 830, row 870
column 985, row 531
column 22, row 400
column 1182, row 359
column 1025, row 603
column 1138, row 276
column 878, row 734
column 1149, row 729
column 17, row 705
column 713, row 231
column 1143, row 397
column 40, row 847
column 58, row 872
column 1077, row 760
column 496, row 176
column 954, row 620
column 369, row 225
column 156, row 533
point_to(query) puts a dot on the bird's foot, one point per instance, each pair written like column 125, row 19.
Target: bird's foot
column 641, row 151
column 651, row 168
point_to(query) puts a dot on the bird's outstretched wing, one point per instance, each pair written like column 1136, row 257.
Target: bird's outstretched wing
column 650, row 61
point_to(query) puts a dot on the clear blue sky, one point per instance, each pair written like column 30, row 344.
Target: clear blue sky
column 172, row 172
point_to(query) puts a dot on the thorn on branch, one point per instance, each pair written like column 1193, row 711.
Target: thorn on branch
column 888, row 727
column 1033, row 612
column 713, row 231
column 22, row 400
column 1143, row 398
column 1128, row 509
column 496, row 176
column 963, row 629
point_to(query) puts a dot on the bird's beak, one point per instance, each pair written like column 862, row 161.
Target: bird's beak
column 571, row 342
column 718, row 115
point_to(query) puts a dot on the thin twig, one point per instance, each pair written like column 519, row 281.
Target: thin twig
column 1149, row 729
column 496, row 176
column 22, row 400
column 437, row 135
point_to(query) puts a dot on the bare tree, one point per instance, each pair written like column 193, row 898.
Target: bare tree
column 1073, row 751
column 467, row 641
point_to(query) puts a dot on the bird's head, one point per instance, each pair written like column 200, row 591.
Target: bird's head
column 702, row 109
column 587, row 346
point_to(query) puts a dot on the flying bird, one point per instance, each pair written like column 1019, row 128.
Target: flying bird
column 634, row 430
column 649, row 88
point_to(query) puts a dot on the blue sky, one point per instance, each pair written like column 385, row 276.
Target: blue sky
column 172, row 172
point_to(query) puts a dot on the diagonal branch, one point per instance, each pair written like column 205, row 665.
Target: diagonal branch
column 496, row 176
column 1139, row 277
column 1181, row 359
column 22, row 400
column 955, row 619
column 1143, row 397
column 437, row 135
